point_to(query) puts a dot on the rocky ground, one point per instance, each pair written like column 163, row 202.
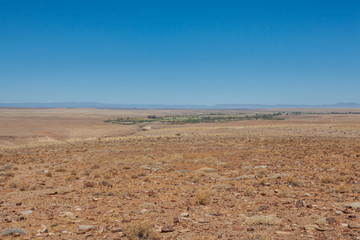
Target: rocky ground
column 266, row 180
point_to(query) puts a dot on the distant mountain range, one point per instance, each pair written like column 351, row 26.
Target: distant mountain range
column 164, row 106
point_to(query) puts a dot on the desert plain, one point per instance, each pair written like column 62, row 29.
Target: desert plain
column 67, row 174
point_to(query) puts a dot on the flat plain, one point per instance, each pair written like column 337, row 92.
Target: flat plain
column 68, row 174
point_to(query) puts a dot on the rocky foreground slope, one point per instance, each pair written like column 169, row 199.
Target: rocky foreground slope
column 223, row 182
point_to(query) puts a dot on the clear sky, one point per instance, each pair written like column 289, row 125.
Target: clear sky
column 180, row 52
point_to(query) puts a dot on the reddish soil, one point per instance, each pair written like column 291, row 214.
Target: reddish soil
column 84, row 179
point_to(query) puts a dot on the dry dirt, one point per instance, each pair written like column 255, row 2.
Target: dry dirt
column 69, row 172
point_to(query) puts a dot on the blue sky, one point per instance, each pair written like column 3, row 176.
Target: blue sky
column 180, row 52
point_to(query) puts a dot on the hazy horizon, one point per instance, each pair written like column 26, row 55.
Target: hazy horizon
column 180, row 53
column 97, row 105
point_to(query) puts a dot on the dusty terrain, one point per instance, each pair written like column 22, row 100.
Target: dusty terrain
column 65, row 174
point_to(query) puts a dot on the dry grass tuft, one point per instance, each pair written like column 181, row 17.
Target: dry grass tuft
column 60, row 170
column 327, row 179
column 140, row 230
column 263, row 220
column 147, row 179
column 202, row 197
column 249, row 191
column 196, row 178
column 257, row 236
column 321, row 221
column 343, row 188
column 71, row 178
column 21, row 185
column 95, row 166
column 285, row 192
column 293, row 181
column 105, row 183
column 261, row 181
column 260, row 173
column 89, row 184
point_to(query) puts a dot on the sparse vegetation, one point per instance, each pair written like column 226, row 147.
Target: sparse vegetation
column 257, row 236
column 140, row 230
column 89, row 184
column 249, row 191
column 249, row 180
column 292, row 181
column 285, row 192
column 105, row 183
column 200, row 118
column 343, row 188
column 19, row 184
column 202, row 197
column 60, row 170
column 327, row 179
column 263, row 220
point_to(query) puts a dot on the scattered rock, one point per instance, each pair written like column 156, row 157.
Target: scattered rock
column 282, row 233
column 352, row 205
column 207, row 169
column 7, row 166
column 263, row 207
column 331, row 220
column 26, row 212
column 68, row 214
column 185, row 214
column 44, row 229
column 52, row 193
column 165, row 229
column 320, row 228
column 243, row 177
column 11, row 231
column 354, row 225
column 85, row 228
column 146, row 167
column 300, row 204
column 215, row 214
column 115, row 230
column 310, row 228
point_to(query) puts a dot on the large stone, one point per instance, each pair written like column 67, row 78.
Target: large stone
column 85, row 228
column 353, row 205
column 354, row 225
column 11, row 231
